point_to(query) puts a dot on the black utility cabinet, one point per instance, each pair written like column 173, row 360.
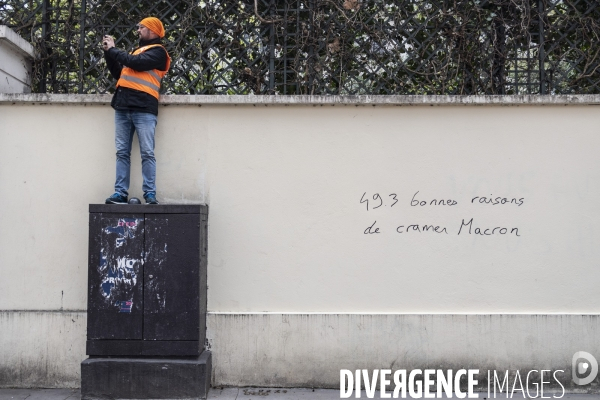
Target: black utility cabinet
column 146, row 302
column 147, row 280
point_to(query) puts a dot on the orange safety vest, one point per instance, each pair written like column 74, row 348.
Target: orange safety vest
column 144, row 81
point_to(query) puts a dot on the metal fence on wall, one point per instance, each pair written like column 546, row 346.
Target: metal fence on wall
column 324, row 46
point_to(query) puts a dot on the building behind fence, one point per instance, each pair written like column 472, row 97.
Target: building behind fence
column 320, row 47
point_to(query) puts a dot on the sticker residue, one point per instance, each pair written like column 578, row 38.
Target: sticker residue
column 118, row 270
column 126, row 228
column 125, row 306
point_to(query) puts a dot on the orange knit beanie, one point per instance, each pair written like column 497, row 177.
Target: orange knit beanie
column 154, row 25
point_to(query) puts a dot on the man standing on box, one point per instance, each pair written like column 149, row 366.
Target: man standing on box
column 135, row 102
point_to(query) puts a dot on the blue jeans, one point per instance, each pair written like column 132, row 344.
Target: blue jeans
column 126, row 122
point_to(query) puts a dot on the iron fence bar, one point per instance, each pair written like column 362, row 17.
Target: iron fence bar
column 310, row 65
column 82, row 44
column 46, row 9
column 272, row 32
column 541, row 54
column 51, row 50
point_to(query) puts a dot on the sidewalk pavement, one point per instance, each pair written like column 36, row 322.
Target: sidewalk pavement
column 239, row 394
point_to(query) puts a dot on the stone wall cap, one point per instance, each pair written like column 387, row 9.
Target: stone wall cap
column 16, row 42
column 331, row 100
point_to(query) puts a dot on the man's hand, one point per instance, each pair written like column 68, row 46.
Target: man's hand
column 108, row 42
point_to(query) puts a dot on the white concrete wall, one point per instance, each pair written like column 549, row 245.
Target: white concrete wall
column 41, row 348
column 286, row 232
column 308, row 350
column 16, row 57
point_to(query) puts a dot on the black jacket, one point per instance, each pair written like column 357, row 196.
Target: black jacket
column 131, row 99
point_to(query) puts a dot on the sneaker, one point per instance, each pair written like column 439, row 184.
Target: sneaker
column 150, row 198
column 116, row 199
